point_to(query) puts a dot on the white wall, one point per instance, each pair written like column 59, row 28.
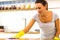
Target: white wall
column 54, row 6
column 15, row 20
column 12, row 21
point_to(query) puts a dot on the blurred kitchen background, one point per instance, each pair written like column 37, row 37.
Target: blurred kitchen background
column 16, row 14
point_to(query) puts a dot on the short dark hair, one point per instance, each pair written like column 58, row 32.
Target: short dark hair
column 44, row 2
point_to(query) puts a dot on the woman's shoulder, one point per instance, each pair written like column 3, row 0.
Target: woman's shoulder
column 55, row 15
column 35, row 16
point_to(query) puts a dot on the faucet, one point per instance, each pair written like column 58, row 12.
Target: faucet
column 25, row 22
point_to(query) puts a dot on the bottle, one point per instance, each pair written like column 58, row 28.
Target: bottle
column 1, row 28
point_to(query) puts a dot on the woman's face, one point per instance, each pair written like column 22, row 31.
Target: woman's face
column 40, row 8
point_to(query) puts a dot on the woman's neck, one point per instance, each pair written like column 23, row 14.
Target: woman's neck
column 44, row 13
column 46, row 17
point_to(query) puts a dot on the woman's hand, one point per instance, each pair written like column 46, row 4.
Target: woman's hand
column 18, row 35
column 56, row 38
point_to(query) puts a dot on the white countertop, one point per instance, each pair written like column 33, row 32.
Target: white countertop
column 9, row 35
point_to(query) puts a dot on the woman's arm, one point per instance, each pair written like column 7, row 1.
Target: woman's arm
column 21, row 33
column 57, row 28
column 29, row 26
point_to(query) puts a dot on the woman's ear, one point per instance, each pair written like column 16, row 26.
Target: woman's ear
column 46, row 6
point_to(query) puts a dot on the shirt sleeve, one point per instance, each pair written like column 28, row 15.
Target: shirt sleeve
column 35, row 17
column 56, row 17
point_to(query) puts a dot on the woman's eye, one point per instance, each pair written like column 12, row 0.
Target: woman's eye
column 38, row 8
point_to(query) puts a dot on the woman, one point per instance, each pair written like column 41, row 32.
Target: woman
column 48, row 22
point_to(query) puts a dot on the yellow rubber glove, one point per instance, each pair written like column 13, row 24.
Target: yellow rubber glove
column 19, row 34
column 56, row 38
